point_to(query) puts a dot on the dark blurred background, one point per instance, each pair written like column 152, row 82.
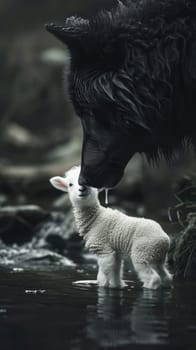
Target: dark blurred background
column 37, row 123
column 40, row 134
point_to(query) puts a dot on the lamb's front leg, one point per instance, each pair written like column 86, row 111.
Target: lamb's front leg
column 110, row 271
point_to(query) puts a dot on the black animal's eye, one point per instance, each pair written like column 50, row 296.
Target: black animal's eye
column 70, row 185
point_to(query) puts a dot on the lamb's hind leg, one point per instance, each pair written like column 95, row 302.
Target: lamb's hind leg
column 147, row 275
column 110, row 271
column 166, row 277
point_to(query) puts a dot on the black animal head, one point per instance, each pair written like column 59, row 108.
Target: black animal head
column 120, row 97
column 98, row 87
column 98, row 52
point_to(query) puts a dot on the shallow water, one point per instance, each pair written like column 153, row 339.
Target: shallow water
column 45, row 310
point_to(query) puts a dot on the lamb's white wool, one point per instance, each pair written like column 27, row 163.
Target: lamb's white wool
column 111, row 234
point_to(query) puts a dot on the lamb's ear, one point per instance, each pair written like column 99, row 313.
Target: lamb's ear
column 73, row 33
column 60, row 183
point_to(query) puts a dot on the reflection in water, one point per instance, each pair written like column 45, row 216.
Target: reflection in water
column 68, row 316
column 149, row 319
column 119, row 319
column 109, row 322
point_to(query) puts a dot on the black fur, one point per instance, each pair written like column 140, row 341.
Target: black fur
column 132, row 82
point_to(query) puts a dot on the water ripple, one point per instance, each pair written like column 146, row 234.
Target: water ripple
column 81, row 315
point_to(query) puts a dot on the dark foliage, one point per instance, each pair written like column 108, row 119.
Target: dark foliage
column 185, row 252
column 132, row 83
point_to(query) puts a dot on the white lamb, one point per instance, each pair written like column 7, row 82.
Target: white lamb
column 110, row 234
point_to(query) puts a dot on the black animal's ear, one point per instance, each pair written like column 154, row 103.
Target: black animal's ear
column 100, row 40
column 73, row 33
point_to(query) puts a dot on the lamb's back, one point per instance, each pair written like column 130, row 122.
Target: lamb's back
column 129, row 229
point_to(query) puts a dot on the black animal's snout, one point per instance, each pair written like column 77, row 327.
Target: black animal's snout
column 109, row 176
column 82, row 189
column 82, row 181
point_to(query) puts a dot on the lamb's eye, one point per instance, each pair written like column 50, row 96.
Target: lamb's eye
column 70, row 185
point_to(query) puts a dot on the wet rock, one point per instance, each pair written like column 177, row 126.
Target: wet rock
column 18, row 222
column 45, row 256
column 28, row 232
column 27, row 256
column 58, row 233
column 54, row 225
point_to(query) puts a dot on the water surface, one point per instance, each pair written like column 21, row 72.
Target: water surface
column 44, row 310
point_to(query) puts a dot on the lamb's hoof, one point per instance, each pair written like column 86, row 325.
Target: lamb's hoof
column 154, row 283
column 103, row 284
column 123, row 285
column 119, row 285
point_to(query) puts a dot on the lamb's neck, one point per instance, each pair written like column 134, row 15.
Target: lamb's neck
column 85, row 217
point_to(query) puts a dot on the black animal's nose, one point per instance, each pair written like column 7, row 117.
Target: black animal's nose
column 82, row 181
column 82, row 189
